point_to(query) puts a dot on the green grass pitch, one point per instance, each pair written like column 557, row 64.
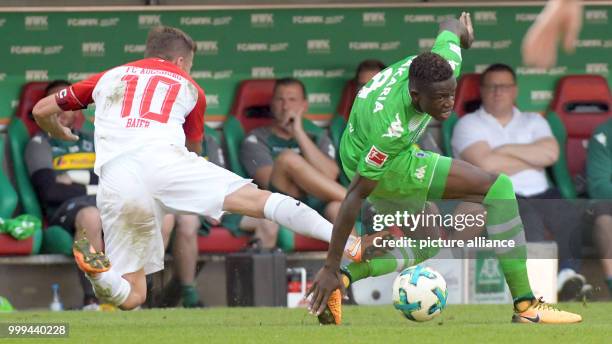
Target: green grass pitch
column 457, row 324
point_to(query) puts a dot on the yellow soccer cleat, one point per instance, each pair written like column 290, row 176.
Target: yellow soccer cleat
column 539, row 312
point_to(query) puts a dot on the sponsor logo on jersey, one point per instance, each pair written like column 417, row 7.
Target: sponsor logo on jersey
column 376, row 157
column 149, row 20
column 419, row 18
column 541, row 96
column 262, row 72
column 373, row 19
column 318, row 46
column 77, row 76
column 262, row 19
column 317, row 20
column 525, row 17
column 319, row 99
column 207, row 47
column 206, row 21
column 485, row 17
column 93, row 48
column 596, row 16
column 36, row 22
column 597, row 68
column 134, row 48
column 37, row 75
column 396, row 128
column 75, row 161
column 382, row 46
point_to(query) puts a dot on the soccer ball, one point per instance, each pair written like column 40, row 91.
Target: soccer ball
column 419, row 293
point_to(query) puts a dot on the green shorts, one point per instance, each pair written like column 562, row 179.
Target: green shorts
column 413, row 177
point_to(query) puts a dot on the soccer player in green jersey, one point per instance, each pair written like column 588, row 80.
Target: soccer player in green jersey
column 388, row 115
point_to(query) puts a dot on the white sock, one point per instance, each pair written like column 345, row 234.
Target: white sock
column 110, row 287
column 300, row 218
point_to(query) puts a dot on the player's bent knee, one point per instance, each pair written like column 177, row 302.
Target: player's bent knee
column 288, row 160
column 88, row 214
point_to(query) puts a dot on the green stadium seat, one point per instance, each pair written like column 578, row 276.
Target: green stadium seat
column 8, row 203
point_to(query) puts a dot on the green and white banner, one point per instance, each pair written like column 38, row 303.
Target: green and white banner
column 322, row 47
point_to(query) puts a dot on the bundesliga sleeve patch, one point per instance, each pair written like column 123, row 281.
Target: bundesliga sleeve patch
column 376, row 157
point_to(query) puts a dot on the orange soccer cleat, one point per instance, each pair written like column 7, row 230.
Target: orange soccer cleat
column 87, row 259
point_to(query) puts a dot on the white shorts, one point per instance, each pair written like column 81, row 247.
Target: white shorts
column 138, row 188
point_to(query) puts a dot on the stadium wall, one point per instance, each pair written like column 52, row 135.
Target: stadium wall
column 320, row 45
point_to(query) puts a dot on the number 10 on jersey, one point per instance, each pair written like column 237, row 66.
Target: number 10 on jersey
column 158, row 86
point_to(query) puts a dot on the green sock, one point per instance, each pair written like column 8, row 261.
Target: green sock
column 396, row 260
column 190, row 295
column 503, row 223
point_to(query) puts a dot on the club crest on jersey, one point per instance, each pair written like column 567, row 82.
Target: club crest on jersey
column 376, row 157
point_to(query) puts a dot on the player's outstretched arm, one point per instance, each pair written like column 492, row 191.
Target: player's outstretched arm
column 559, row 20
column 328, row 278
column 45, row 113
column 462, row 27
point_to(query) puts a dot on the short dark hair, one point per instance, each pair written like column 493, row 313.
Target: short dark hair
column 497, row 67
column 428, row 68
column 168, row 43
column 370, row 64
column 290, row 81
column 54, row 84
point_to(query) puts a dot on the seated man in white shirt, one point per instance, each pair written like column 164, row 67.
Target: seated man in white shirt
column 500, row 138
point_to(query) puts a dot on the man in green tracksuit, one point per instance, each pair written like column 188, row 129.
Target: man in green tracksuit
column 388, row 116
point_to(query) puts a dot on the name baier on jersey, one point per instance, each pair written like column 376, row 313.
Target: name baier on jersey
column 142, row 103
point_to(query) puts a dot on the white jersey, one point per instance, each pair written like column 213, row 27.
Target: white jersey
column 142, row 103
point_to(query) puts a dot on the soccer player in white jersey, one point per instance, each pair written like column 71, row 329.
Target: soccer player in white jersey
column 148, row 136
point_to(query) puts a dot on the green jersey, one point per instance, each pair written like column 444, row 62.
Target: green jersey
column 383, row 121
